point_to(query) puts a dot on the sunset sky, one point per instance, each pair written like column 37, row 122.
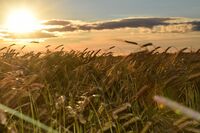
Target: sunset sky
column 78, row 24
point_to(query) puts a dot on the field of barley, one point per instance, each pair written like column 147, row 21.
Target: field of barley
column 95, row 92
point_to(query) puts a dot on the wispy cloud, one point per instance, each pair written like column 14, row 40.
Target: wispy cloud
column 161, row 24
column 32, row 35
column 57, row 22
column 106, row 25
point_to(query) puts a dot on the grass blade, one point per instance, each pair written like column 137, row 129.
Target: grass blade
column 26, row 118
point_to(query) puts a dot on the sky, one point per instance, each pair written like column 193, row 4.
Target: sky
column 104, row 9
column 102, row 23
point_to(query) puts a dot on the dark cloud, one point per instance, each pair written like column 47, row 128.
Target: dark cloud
column 57, row 22
column 133, row 23
column 165, row 24
column 33, row 35
column 196, row 25
column 63, row 29
column 122, row 23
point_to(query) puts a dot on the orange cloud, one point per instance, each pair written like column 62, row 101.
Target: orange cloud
column 32, row 35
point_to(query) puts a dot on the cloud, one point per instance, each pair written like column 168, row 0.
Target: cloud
column 106, row 25
column 133, row 23
column 57, row 22
column 196, row 25
column 63, row 29
column 161, row 24
column 55, row 27
column 173, row 28
column 32, row 35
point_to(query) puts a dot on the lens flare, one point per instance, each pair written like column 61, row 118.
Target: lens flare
column 21, row 21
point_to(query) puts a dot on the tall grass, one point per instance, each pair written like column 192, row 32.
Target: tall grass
column 91, row 91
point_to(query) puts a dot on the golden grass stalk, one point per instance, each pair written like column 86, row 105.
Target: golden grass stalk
column 120, row 109
column 131, row 121
column 181, row 120
column 146, row 127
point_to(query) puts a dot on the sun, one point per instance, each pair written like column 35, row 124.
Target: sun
column 21, row 21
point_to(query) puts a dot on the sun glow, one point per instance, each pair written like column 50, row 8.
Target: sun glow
column 21, row 21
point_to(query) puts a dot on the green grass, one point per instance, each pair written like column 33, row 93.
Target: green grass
column 91, row 91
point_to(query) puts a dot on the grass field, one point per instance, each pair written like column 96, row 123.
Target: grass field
column 94, row 92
